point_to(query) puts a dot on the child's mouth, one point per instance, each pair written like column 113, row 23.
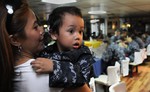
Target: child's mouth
column 76, row 45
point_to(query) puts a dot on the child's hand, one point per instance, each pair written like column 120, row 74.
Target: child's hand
column 42, row 65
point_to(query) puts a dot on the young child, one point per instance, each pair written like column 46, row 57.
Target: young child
column 66, row 28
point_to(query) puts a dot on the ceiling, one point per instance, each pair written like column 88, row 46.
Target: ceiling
column 114, row 8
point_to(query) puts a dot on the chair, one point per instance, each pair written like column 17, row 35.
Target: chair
column 117, row 64
column 109, row 79
column 144, row 53
column 125, row 67
column 148, row 50
column 97, row 67
column 92, row 84
column 137, row 61
column 113, row 76
column 118, row 87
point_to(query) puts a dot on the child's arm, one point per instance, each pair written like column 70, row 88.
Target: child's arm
column 67, row 74
column 84, row 88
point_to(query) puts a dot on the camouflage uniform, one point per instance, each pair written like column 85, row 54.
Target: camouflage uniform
column 147, row 41
column 140, row 42
column 132, row 47
column 114, row 38
column 71, row 69
column 112, row 54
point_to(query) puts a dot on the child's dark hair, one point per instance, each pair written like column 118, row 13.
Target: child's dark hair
column 56, row 17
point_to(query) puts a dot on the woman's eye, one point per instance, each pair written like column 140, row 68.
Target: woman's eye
column 35, row 27
column 39, row 23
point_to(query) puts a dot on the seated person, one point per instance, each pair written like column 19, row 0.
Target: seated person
column 116, row 36
column 147, row 40
column 132, row 47
column 113, row 53
column 139, row 40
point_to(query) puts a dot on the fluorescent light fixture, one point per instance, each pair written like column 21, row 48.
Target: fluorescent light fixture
column 58, row 1
column 97, row 12
column 128, row 25
column 94, row 21
column 45, row 26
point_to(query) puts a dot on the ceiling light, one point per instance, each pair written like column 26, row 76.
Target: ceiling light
column 94, row 21
column 97, row 12
column 45, row 26
column 58, row 1
column 128, row 25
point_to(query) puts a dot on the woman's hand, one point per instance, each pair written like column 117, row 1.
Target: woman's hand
column 42, row 65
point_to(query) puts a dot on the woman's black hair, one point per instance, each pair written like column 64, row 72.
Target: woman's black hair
column 15, row 5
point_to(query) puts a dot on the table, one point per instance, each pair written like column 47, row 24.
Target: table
column 93, row 44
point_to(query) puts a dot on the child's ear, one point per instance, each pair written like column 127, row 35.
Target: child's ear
column 54, row 36
column 14, row 41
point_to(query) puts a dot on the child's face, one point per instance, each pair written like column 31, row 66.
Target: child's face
column 70, row 33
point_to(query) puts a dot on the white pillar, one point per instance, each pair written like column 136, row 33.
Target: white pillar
column 106, row 26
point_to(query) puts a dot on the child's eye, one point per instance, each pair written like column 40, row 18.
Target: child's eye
column 81, row 31
column 71, row 31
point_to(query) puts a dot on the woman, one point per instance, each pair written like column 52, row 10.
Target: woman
column 6, row 57
column 26, row 38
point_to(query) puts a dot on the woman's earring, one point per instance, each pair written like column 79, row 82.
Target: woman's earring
column 19, row 49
